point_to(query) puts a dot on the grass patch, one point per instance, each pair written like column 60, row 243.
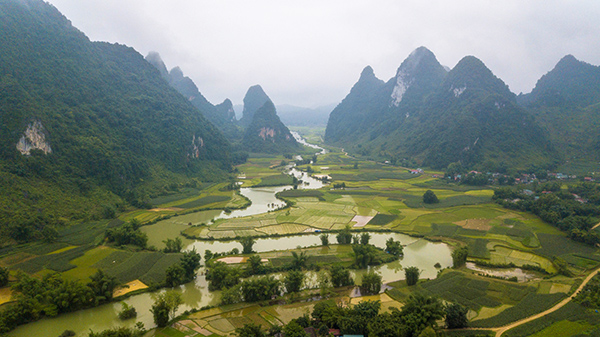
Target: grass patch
column 382, row 219
column 85, row 232
column 529, row 305
column 558, row 245
column 570, row 320
column 44, row 248
column 211, row 199
column 184, row 193
column 275, row 180
column 58, row 262
column 300, row 193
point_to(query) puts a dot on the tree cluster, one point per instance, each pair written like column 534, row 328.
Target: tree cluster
column 184, row 271
column 52, row 295
column 127, row 234
column 419, row 313
column 558, row 207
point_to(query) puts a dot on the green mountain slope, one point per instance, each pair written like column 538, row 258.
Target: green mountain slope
column 91, row 122
column 221, row 115
column 426, row 116
column 265, row 133
column 254, row 99
column 566, row 101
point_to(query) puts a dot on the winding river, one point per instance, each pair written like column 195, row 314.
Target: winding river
column 417, row 252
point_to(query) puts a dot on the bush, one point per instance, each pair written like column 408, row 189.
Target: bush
column 412, row 275
column 459, row 257
column 371, row 283
column 127, row 312
column 429, row 197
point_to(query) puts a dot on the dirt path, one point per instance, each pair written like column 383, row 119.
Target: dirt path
column 503, row 329
column 597, row 225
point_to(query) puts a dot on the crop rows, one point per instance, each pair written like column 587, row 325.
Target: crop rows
column 204, row 201
column 530, row 305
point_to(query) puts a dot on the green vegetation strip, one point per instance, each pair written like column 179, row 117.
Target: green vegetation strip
column 572, row 312
column 204, row 201
column 530, row 305
column 58, row 262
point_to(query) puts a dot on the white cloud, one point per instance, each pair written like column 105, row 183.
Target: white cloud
column 311, row 52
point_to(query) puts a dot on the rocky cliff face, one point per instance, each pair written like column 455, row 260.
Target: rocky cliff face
column 34, row 137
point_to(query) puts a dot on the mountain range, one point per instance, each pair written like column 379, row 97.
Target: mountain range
column 88, row 126
column 427, row 115
column 221, row 115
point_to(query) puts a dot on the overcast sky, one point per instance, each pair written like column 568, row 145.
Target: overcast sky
column 310, row 53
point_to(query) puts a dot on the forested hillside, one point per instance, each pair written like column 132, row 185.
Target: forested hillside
column 427, row 116
column 221, row 115
column 263, row 130
column 87, row 127
column 566, row 101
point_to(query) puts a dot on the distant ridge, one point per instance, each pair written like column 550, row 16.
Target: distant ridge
column 265, row 132
column 221, row 115
column 425, row 115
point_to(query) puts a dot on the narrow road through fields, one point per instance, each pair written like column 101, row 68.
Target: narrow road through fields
column 503, row 329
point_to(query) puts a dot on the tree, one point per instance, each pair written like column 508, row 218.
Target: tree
column 127, row 311
column 430, row 198
column 456, row 316
column 138, row 331
column 3, row 276
column 220, row 276
column 562, row 266
column 250, row 330
column 190, row 261
column 293, row 329
column 260, row 289
column 393, row 247
column 174, row 275
column 364, row 255
column 207, row 255
column 412, row 275
column 165, row 306
column 173, row 246
column 459, row 257
column 364, row 238
column 385, row 325
column 340, row 276
column 367, row 309
column 428, row 332
column 344, row 237
column 371, row 283
column 299, row 260
column 160, row 311
column 324, row 282
column 420, row 312
column 324, row 239
column 320, row 308
column 293, row 281
column 254, row 266
column 247, row 243
column 103, row 285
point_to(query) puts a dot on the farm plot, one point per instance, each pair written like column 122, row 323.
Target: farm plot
column 84, row 264
column 148, row 267
column 503, row 255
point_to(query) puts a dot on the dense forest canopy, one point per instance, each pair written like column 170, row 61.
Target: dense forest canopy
column 99, row 123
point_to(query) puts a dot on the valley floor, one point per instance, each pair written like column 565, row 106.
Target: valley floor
column 378, row 198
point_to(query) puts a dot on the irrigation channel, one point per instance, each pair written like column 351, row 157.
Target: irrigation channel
column 417, row 252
